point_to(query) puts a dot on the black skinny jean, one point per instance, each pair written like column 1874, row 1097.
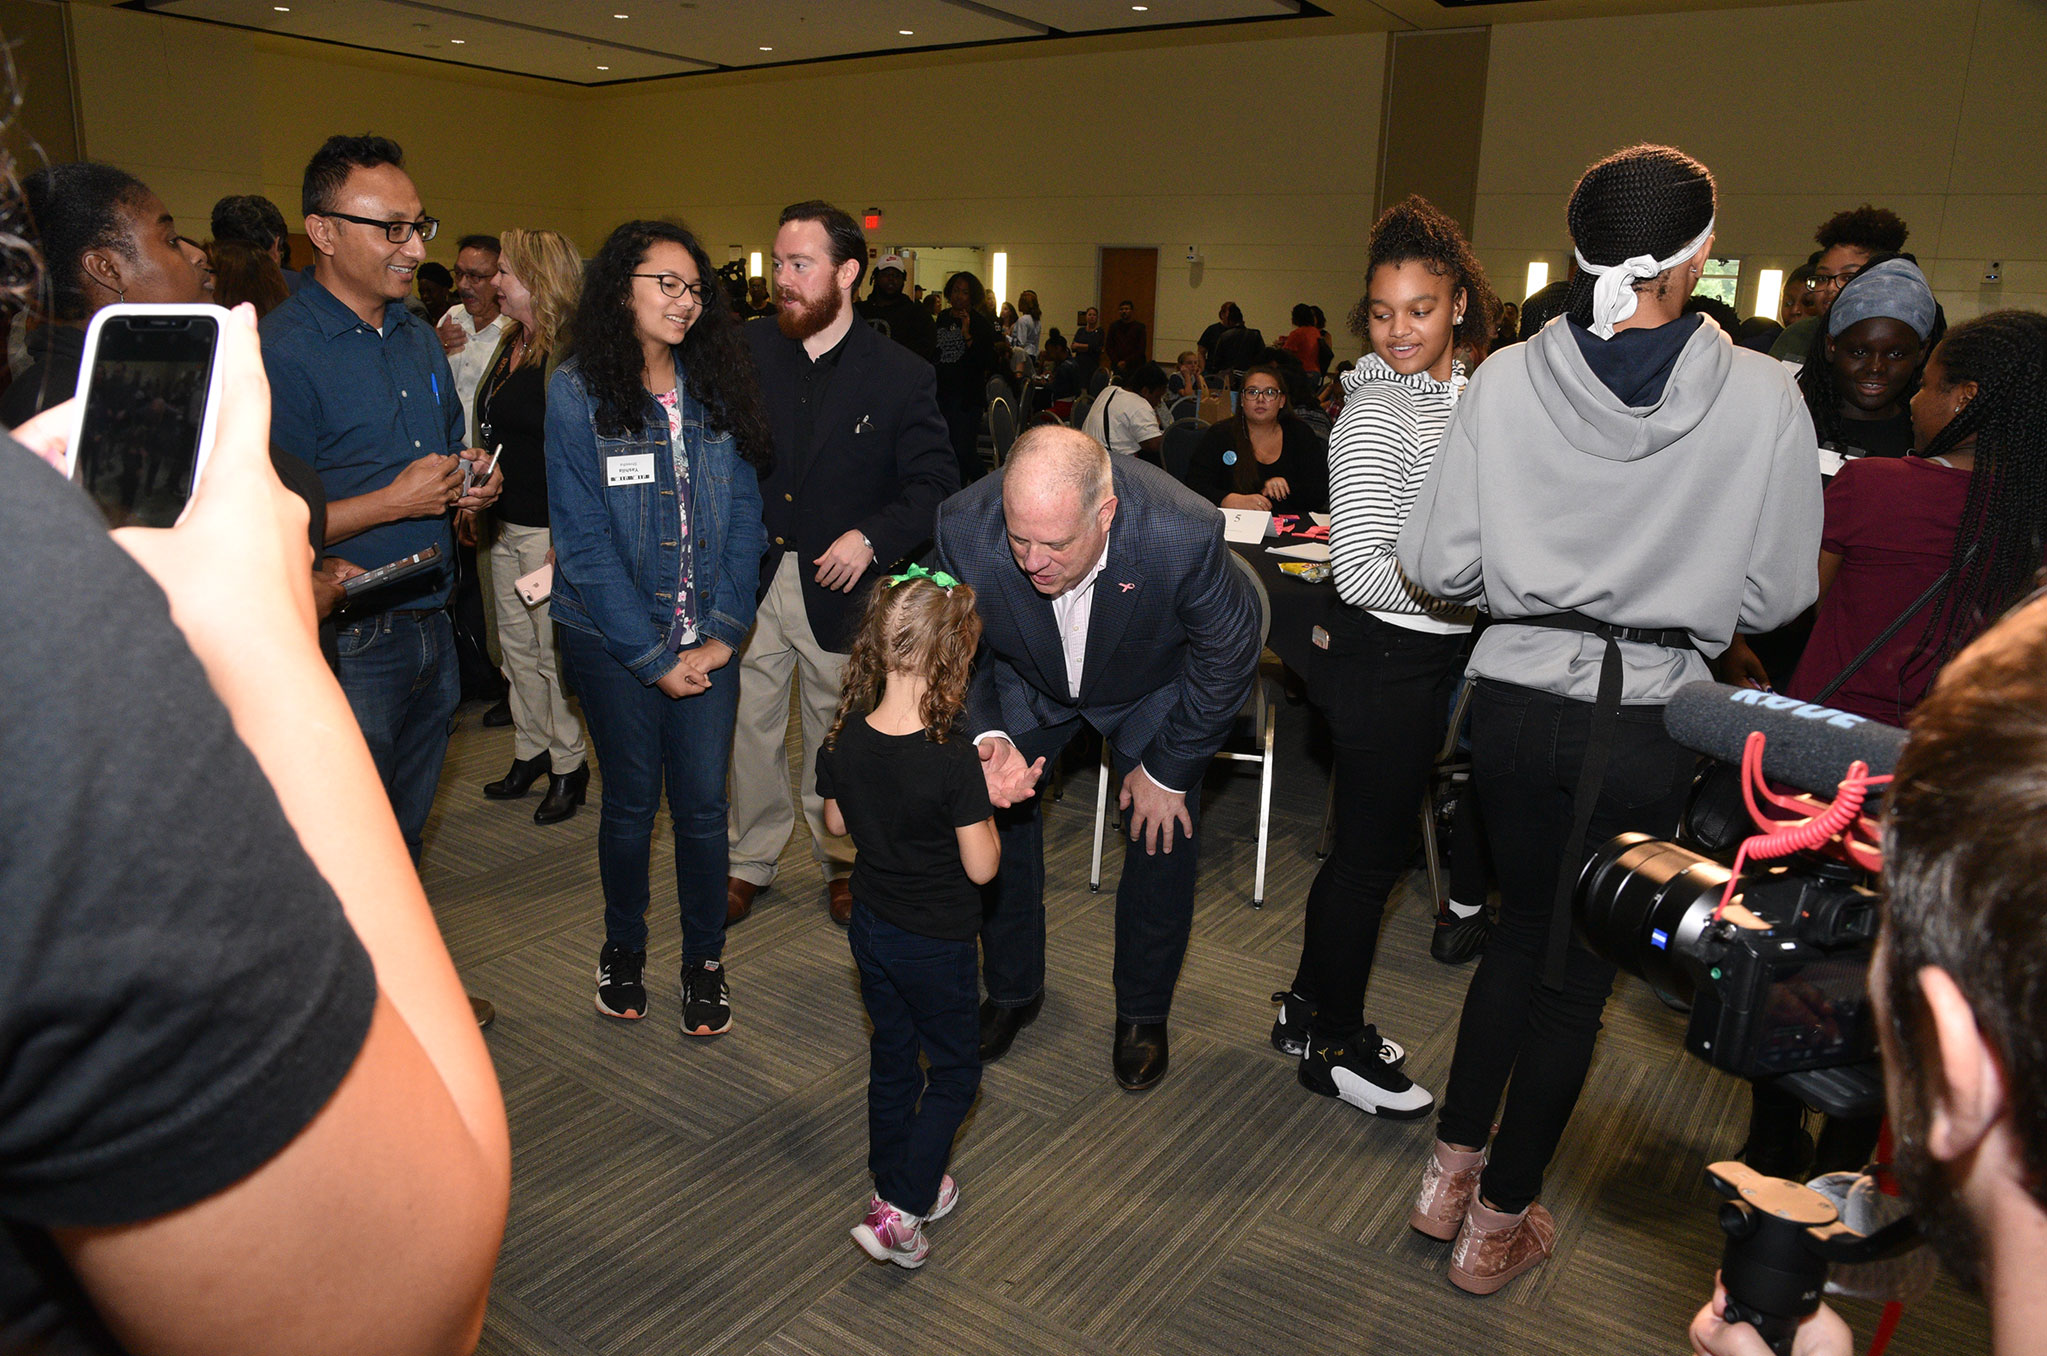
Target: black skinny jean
column 1387, row 702
column 1527, row 747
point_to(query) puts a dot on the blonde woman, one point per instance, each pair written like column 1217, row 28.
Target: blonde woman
column 539, row 279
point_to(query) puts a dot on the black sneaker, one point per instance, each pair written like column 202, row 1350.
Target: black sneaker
column 621, row 990
column 1354, row 1072
column 1456, row 940
column 706, row 1003
column 1290, row 1029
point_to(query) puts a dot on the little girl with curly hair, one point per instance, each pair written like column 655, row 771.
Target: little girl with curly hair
column 896, row 774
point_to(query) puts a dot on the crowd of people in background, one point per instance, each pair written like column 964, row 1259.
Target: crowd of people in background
column 687, row 496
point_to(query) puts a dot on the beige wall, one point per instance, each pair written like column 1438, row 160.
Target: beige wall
column 199, row 111
column 1929, row 107
column 1032, row 155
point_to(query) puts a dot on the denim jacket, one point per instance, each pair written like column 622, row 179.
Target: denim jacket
column 616, row 547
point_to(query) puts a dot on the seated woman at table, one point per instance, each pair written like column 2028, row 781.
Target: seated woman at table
column 1395, row 652
column 1263, row 458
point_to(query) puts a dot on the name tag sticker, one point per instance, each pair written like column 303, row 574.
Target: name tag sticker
column 635, row 468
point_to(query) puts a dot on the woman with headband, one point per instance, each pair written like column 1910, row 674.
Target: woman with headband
column 1621, row 492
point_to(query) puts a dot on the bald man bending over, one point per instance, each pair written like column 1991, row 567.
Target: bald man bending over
column 1106, row 595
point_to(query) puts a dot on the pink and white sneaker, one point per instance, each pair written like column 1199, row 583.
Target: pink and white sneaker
column 948, row 1197
column 889, row 1235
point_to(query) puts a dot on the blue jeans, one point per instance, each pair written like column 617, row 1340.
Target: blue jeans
column 399, row 673
column 643, row 736
column 920, row 994
column 1154, row 901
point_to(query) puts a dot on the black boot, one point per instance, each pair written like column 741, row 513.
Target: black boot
column 565, row 792
column 516, row 783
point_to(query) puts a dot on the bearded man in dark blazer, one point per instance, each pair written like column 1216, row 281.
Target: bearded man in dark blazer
column 1106, row 595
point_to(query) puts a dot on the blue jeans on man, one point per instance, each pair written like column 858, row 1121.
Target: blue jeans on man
column 399, row 673
column 643, row 737
column 923, row 996
column 1154, row 901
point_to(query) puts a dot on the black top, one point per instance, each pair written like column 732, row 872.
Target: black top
column 903, row 797
column 965, row 359
column 1236, row 349
column 182, row 992
column 512, row 404
column 1208, row 340
column 1086, row 347
column 813, row 383
column 51, row 378
column 1303, row 462
column 1876, row 437
column 903, row 320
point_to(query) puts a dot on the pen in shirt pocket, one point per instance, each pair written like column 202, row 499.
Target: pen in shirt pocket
column 434, row 379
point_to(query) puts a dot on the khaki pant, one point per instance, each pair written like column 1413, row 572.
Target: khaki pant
column 541, row 719
column 782, row 647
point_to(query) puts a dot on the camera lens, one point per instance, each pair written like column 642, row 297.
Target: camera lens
column 1644, row 904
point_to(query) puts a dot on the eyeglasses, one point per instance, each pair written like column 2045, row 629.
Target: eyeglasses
column 397, row 232
column 1262, row 393
column 472, row 275
column 673, row 286
column 1830, row 280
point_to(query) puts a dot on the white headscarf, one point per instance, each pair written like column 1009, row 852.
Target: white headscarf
column 1613, row 295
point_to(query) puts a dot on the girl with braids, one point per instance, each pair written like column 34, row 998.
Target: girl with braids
column 1262, row 457
column 1623, row 490
column 1961, row 526
column 1395, row 653
column 654, row 432
column 896, row 773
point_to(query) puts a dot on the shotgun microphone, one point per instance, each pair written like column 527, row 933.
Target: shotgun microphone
column 1808, row 746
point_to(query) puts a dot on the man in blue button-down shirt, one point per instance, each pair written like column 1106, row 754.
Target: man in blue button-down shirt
column 361, row 391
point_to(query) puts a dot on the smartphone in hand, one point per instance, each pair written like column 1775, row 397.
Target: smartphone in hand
column 149, row 392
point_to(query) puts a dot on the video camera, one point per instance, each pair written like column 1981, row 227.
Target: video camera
column 1772, row 961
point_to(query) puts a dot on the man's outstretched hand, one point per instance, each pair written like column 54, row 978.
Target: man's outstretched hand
column 1010, row 779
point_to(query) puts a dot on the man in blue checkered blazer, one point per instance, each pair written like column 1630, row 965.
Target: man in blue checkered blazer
column 1107, row 596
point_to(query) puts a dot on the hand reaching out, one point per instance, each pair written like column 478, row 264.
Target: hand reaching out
column 1011, row 781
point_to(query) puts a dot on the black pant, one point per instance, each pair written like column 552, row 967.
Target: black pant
column 963, row 426
column 1527, row 747
column 1391, row 689
column 1154, row 899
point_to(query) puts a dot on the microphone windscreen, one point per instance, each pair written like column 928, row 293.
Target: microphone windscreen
column 1807, row 746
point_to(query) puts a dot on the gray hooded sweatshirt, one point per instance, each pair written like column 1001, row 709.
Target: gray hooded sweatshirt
column 1701, row 511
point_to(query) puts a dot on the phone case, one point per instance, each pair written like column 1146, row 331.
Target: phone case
column 221, row 320
column 537, row 587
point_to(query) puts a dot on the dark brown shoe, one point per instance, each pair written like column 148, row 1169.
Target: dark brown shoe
column 738, row 899
column 839, row 899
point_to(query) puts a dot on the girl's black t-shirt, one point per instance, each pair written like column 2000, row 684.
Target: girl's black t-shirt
column 903, row 797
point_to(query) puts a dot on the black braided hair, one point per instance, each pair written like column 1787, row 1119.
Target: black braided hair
column 1643, row 200
column 716, row 362
column 71, row 209
column 2003, row 533
column 1415, row 228
column 1816, row 378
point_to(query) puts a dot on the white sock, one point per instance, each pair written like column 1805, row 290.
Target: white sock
column 1463, row 910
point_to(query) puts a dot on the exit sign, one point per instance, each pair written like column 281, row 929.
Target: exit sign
column 872, row 221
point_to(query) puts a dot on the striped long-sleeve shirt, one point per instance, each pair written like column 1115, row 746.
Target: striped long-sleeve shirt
column 1379, row 453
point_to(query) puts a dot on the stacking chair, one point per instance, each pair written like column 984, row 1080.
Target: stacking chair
column 1261, row 714
column 1176, row 446
column 1002, row 424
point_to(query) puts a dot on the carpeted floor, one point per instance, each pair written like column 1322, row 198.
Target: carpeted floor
column 674, row 1195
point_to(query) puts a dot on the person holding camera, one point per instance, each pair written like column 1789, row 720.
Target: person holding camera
column 1623, row 491
column 1956, row 985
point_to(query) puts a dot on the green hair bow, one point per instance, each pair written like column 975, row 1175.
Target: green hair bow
column 938, row 577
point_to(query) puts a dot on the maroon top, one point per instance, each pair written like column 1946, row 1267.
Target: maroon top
column 1892, row 521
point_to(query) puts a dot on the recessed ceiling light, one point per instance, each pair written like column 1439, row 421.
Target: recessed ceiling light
column 459, row 42
column 604, row 68
column 1140, row 8
column 282, row 9
column 907, row 32
column 621, row 16
column 767, row 49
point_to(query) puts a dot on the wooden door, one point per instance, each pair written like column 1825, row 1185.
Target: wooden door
column 1131, row 275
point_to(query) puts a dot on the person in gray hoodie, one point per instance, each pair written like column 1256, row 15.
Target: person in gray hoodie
column 1622, row 493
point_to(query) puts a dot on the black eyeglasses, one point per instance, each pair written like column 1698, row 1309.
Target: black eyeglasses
column 673, row 286
column 1262, row 393
column 397, row 232
column 1820, row 280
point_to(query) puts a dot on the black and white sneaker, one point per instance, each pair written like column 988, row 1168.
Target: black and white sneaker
column 621, row 990
column 706, row 1002
column 1354, row 1072
column 1456, row 939
column 1290, row 1028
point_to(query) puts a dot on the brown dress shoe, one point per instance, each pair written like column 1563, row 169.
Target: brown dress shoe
column 1494, row 1247
column 839, row 899
column 738, row 899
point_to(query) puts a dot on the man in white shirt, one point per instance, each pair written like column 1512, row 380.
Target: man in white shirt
column 1106, row 595
column 469, row 332
column 1127, row 420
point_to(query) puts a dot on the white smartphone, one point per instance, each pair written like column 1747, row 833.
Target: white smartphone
column 149, row 396
column 537, row 587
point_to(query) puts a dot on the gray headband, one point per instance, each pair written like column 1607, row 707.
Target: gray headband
column 1894, row 289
